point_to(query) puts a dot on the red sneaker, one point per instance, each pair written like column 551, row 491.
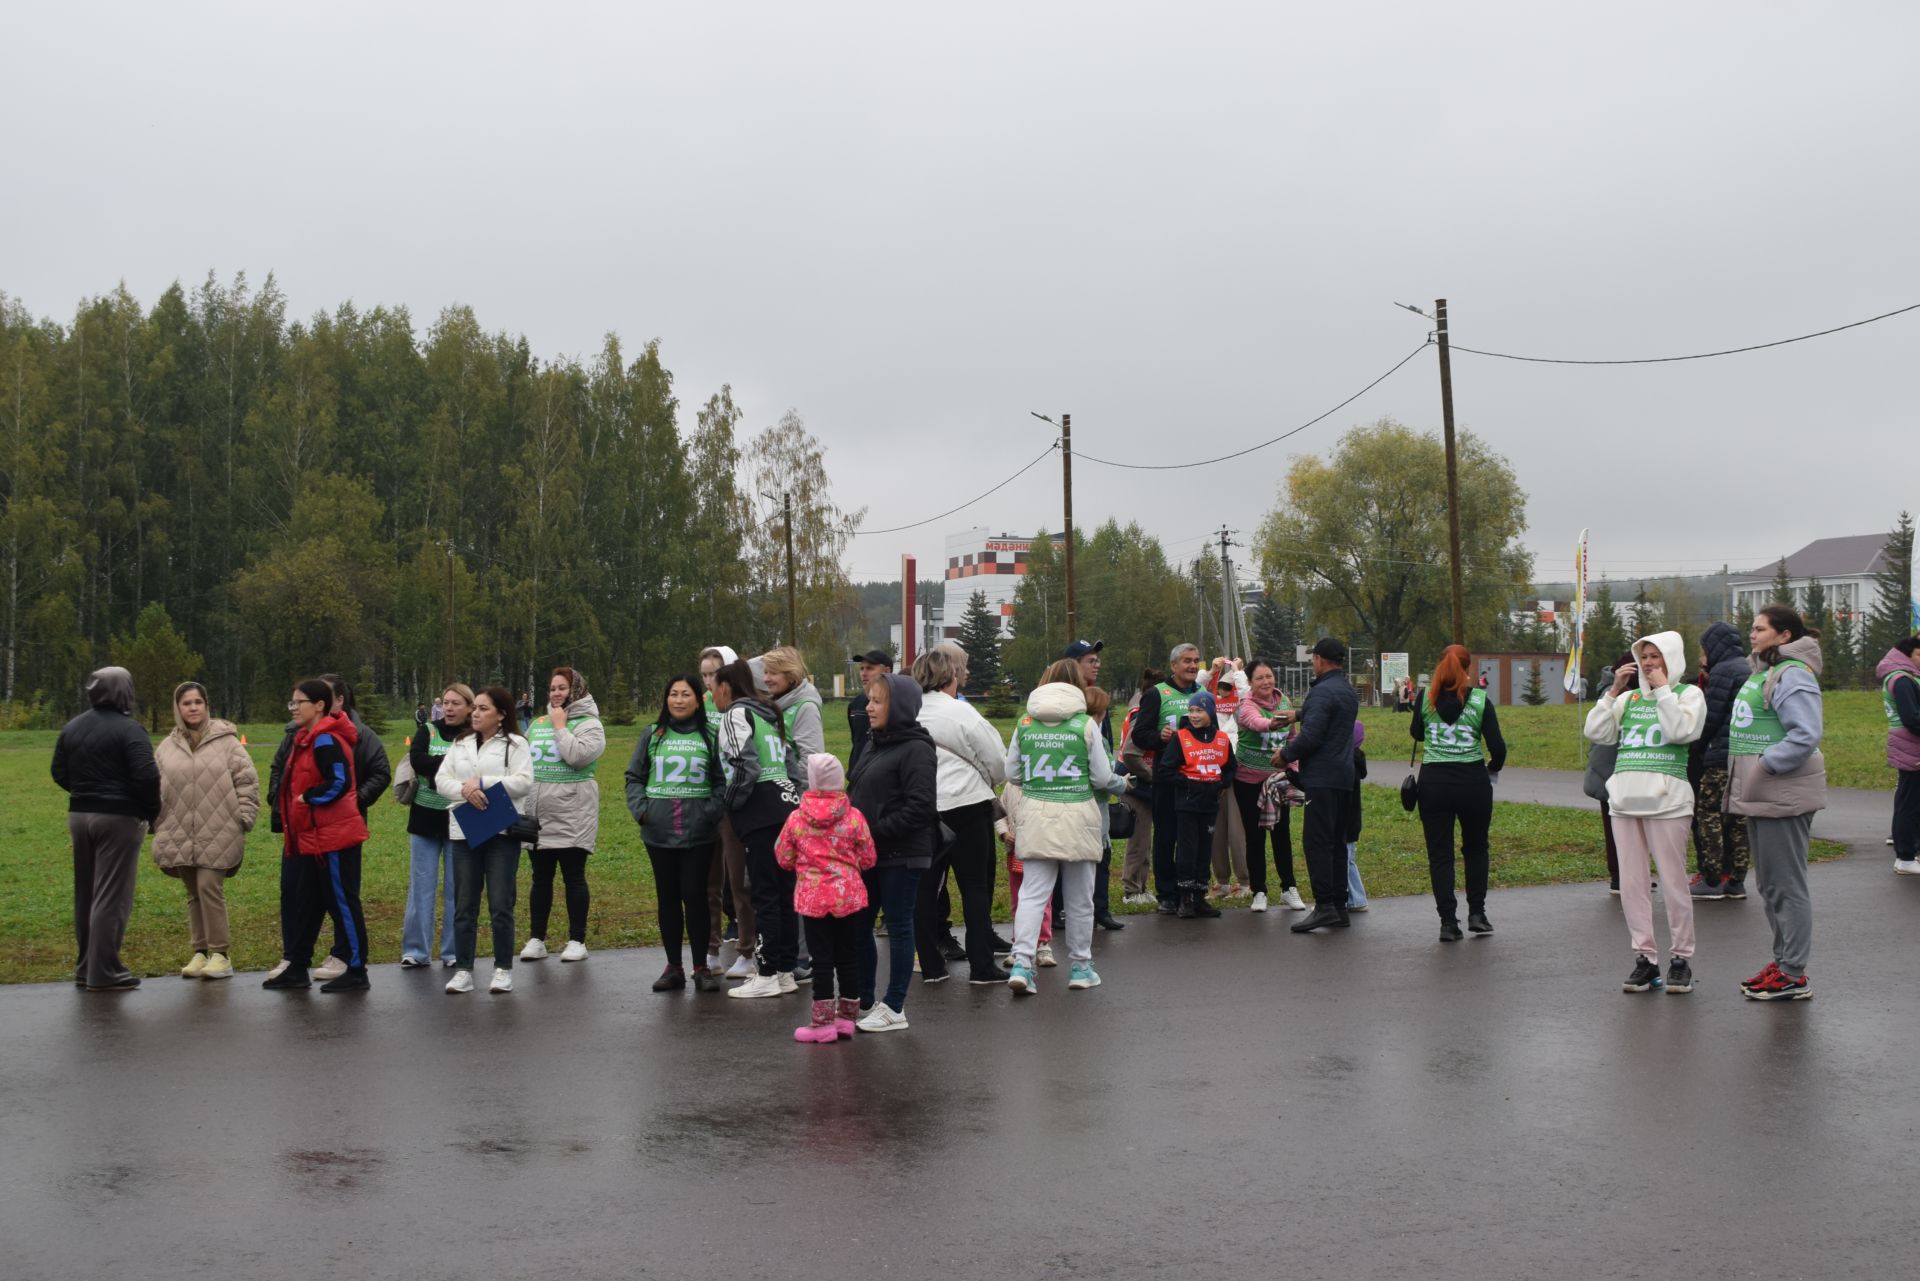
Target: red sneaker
column 1779, row 986
column 1773, row 968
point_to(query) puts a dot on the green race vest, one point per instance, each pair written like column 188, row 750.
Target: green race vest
column 713, row 713
column 547, row 765
column 1886, row 699
column 1173, row 704
column 678, row 765
column 1643, row 746
column 1055, row 764
column 427, row 797
column 770, row 748
column 1458, row 743
column 1256, row 750
column 1753, row 728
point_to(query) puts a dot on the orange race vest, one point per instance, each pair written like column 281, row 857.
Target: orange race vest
column 1203, row 761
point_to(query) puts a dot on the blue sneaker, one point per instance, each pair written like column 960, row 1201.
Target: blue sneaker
column 1082, row 975
column 1021, row 979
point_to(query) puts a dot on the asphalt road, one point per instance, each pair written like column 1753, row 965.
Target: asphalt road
column 1234, row 1101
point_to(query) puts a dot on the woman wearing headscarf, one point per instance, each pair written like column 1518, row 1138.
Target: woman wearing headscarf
column 567, row 743
column 1453, row 723
column 104, row 762
column 209, row 797
column 896, row 786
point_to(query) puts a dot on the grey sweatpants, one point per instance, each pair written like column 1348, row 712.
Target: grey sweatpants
column 1780, row 867
column 106, row 858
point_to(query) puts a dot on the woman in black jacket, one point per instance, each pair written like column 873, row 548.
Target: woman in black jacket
column 894, row 787
column 104, row 761
column 1453, row 722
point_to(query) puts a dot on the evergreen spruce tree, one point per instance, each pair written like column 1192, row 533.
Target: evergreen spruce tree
column 980, row 637
column 1782, row 585
column 1606, row 638
column 1892, row 616
column 1533, row 695
column 1276, row 631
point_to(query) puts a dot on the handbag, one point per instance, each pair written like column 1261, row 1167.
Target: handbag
column 406, row 784
column 1120, row 819
column 1410, row 786
column 525, row 831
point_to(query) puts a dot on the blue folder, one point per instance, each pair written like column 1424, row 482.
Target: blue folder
column 479, row 826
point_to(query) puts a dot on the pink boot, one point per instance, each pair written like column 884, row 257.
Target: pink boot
column 821, row 1030
column 845, row 1013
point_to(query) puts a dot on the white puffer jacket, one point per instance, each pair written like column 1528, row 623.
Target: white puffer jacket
column 1051, row 829
column 506, row 759
column 971, row 759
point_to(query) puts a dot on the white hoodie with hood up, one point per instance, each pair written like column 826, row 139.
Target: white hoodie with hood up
column 1682, row 709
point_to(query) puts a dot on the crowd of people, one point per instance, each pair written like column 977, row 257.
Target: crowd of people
column 755, row 832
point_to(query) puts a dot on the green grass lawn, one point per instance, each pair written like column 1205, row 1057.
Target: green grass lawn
column 1549, row 738
column 1532, row 845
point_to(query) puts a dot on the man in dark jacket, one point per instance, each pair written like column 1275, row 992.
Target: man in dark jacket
column 1324, row 748
column 873, row 664
column 1162, row 708
column 104, row 761
column 1722, row 838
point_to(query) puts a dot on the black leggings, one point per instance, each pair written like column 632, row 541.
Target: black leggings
column 1247, row 796
column 971, row 858
column 772, row 889
column 680, row 884
column 573, row 870
column 1465, row 793
column 834, row 944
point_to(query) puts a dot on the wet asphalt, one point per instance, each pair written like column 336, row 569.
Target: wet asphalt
column 1234, row 1101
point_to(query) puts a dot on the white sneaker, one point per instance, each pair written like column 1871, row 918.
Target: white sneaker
column 535, row 950
column 331, row 968
column 1907, row 866
column 713, row 960
column 279, row 969
column 1291, row 897
column 1043, row 955
column 1138, row 900
column 787, row 986
column 883, row 1019
column 1259, row 902
column 575, row 951
column 758, row 985
column 462, row 981
column 502, row 982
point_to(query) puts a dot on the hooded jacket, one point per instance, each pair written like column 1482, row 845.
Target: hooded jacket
column 827, row 844
column 751, row 801
column 319, row 809
column 896, row 785
column 972, row 759
column 1682, row 710
column 1191, row 796
column 1790, row 778
column 569, row 813
column 1903, row 740
column 673, row 822
column 370, row 769
column 1727, row 671
column 209, row 798
column 103, row 759
column 801, row 708
column 505, row 759
column 1057, row 829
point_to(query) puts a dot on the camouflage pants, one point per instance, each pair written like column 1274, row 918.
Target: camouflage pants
column 1722, row 837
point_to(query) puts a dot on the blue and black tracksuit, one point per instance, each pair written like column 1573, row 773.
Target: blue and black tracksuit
column 328, row 885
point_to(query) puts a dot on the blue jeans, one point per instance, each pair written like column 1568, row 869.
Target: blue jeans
column 1356, row 892
column 891, row 890
column 432, row 864
column 493, row 864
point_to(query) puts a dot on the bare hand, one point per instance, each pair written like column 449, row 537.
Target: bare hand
column 557, row 716
column 475, row 795
column 1166, row 735
column 1623, row 679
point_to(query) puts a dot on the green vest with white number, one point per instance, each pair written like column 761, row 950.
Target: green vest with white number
column 1891, row 708
column 548, row 767
column 1644, row 747
column 1753, row 727
column 427, row 797
column 1255, row 751
column 1055, row 763
column 1458, row 743
column 1173, row 704
column 677, row 764
column 770, row 747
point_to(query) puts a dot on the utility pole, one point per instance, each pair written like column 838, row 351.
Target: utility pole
column 449, row 674
column 1066, row 483
column 1228, row 633
column 793, row 631
column 1453, row 473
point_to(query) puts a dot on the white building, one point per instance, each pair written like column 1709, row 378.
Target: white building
column 979, row 560
column 1844, row 568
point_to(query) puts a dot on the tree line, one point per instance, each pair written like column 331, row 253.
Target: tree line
column 304, row 495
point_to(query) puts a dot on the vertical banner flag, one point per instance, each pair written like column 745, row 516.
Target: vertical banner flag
column 1577, row 644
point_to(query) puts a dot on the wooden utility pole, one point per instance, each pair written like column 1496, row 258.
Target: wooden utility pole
column 450, row 675
column 793, row 631
column 1453, row 474
column 1066, row 481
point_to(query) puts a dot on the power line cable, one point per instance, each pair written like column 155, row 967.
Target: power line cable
column 1662, row 360
column 1205, row 462
column 859, row 533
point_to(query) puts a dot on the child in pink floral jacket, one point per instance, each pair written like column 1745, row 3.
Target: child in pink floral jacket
column 827, row 843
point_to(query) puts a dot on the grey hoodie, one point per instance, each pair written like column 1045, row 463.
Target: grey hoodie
column 801, row 706
column 1790, row 778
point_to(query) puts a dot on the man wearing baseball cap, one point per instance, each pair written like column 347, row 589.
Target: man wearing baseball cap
column 875, row 662
column 1324, row 748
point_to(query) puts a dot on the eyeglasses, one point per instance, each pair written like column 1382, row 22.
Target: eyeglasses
column 294, row 706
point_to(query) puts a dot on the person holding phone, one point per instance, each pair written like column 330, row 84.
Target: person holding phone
column 567, row 743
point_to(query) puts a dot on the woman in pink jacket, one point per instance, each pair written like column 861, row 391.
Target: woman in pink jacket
column 827, row 845
column 1265, row 718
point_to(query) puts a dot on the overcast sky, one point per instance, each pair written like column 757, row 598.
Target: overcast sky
column 1185, row 224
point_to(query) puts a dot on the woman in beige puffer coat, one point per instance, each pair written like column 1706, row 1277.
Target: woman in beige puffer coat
column 567, row 744
column 209, row 797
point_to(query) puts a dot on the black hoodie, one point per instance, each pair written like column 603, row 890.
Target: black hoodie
column 894, row 784
column 1727, row 671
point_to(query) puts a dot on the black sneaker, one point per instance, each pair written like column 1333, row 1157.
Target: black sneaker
column 353, row 980
column 1735, row 887
column 1167, row 906
column 803, row 970
column 951, row 950
column 1450, row 932
column 1477, row 923
column 1679, row 977
column 1645, row 976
